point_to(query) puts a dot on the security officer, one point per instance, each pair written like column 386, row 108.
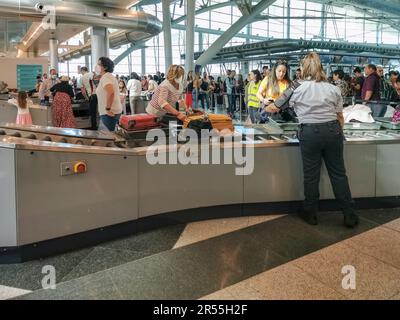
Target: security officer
column 318, row 105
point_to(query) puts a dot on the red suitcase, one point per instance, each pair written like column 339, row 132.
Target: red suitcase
column 141, row 121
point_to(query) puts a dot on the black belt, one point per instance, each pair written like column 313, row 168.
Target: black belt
column 319, row 124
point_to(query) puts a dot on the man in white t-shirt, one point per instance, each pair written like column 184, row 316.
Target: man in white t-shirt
column 88, row 90
column 86, row 83
column 110, row 108
column 134, row 87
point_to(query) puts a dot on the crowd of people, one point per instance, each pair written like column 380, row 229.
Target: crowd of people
column 231, row 93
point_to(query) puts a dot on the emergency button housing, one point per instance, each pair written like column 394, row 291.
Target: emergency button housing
column 80, row 167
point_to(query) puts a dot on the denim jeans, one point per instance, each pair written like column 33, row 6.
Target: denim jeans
column 195, row 98
column 232, row 103
column 110, row 122
column 254, row 115
column 45, row 101
column 204, row 99
column 324, row 141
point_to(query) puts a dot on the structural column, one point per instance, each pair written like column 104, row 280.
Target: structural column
column 100, row 45
column 167, row 32
column 53, row 53
column 86, row 38
column 143, row 54
column 234, row 29
column 201, row 48
column 189, row 54
column 246, row 68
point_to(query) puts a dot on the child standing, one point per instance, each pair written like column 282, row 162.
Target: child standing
column 22, row 103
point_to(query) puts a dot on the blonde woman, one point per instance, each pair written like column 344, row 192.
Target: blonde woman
column 167, row 94
column 318, row 105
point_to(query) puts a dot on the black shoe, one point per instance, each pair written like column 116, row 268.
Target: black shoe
column 309, row 217
column 350, row 220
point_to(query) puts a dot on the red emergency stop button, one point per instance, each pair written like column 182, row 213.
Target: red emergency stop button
column 80, row 167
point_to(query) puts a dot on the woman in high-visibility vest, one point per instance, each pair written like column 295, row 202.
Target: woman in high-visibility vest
column 252, row 101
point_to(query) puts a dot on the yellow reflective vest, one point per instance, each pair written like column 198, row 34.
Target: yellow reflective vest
column 252, row 100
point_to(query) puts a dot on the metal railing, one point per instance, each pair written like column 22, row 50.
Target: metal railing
column 233, row 104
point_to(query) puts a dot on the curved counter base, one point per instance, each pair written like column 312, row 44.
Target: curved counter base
column 10, row 255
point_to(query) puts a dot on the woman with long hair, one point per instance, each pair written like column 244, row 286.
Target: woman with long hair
column 252, row 102
column 22, row 103
column 275, row 84
column 319, row 105
column 189, row 90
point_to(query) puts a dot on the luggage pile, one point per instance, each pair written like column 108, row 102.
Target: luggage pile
column 219, row 122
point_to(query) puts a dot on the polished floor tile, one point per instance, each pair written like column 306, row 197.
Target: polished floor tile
column 153, row 241
column 98, row 286
column 196, row 270
column 223, row 261
column 288, row 236
column 10, row 292
column 29, row 275
column 239, row 291
column 381, row 215
column 381, row 243
column 262, row 257
column 395, row 297
column 373, row 278
column 288, row 282
column 219, row 295
column 331, row 224
column 102, row 259
column 198, row 231
column 394, row 225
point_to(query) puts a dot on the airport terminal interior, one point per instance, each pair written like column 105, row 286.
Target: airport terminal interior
column 199, row 150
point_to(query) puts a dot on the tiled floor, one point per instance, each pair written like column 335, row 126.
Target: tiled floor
column 10, row 292
column 264, row 257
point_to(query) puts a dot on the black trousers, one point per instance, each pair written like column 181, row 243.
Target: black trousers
column 93, row 111
column 324, row 141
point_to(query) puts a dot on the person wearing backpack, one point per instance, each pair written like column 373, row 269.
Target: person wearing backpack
column 204, row 92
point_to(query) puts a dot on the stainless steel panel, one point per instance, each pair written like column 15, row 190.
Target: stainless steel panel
column 8, row 219
column 68, row 132
column 277, row 176
column 40, row 116
column 360, row 162
column 171, row 187
column 51, row 205
column 388, row 170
